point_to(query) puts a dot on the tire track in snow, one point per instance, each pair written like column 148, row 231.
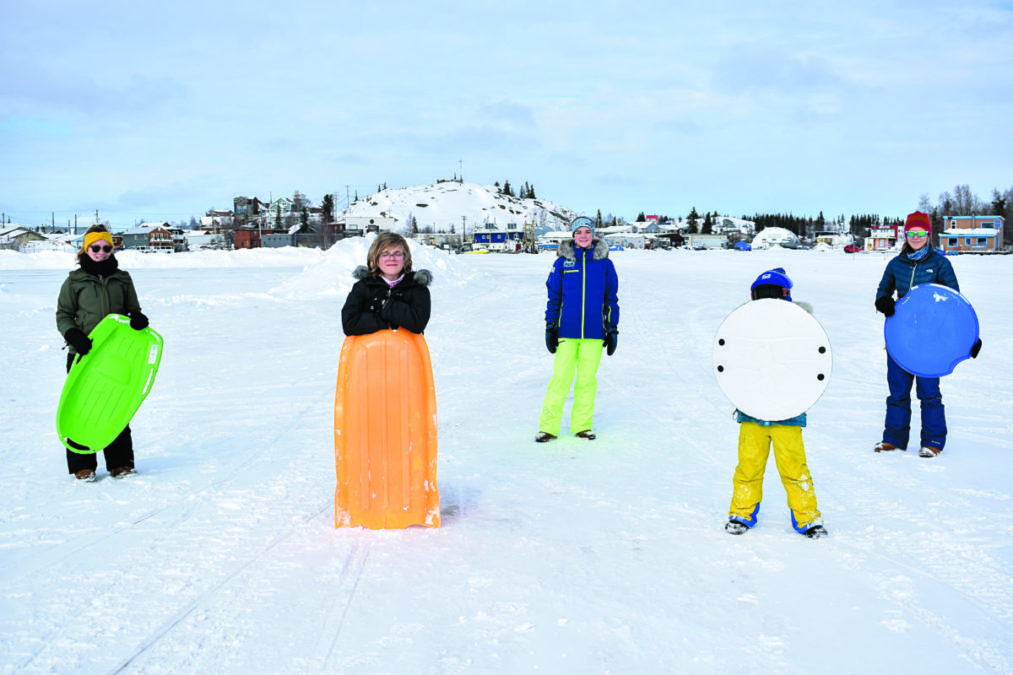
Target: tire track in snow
column 201, row 600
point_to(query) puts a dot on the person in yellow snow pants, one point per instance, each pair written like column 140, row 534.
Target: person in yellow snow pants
column 755, row 440
column 573, row 356
column 756, row 437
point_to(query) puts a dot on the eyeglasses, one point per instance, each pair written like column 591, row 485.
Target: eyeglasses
column 95, row 248
column 396, row 255
column 917, row 234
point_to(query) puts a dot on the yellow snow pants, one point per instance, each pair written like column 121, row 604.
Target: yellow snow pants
column 789, row 455
column 573, row 356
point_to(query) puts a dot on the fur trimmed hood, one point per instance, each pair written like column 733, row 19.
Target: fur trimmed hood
column 599, row 250
column 422, row 277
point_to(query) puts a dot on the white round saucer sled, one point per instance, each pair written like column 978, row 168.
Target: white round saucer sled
column 772, row 359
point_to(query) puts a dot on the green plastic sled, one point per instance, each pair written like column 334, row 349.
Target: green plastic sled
column 106, row 387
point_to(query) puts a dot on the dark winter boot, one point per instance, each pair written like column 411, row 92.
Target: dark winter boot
column 544, row 437
column 735, row 527
column 586, row 434
column 816, row 531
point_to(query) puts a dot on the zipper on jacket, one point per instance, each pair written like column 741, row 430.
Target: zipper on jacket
column 583, row 293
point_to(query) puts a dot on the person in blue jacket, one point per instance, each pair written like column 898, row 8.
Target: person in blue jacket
column 581, row 319
column 917, row 263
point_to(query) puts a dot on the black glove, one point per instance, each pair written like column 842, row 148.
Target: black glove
column 551, row 337
column 611, row 340
column 76, row 338
column 975, row 348
column 137, row 320
column 885, row 304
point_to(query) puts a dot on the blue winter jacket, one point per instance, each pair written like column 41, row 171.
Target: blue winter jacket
column 583, row 292
column 902, row 273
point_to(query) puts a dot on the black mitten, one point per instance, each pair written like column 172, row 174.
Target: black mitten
column 76, row 338
column 975, row 348
column 137, row 320
column 551, row 337
column 885, row 304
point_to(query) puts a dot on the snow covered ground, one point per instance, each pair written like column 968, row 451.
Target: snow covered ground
column 602, row 557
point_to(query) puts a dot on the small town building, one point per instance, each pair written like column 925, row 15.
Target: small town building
column 881, row 238
column 972, row 234
column 154, row 237
column 491, row 237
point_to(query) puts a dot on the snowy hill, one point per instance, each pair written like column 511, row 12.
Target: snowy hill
column 442, row 206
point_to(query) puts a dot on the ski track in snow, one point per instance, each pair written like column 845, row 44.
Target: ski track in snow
column 221, row 556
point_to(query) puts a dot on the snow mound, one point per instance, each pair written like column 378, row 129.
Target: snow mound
column 332, row 275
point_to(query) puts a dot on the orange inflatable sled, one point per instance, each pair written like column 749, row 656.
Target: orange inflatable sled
column 385, row 433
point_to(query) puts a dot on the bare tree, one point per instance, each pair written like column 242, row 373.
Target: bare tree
column 966, row 202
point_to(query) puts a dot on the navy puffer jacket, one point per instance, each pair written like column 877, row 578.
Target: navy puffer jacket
column 583, row 291
column 902, row 273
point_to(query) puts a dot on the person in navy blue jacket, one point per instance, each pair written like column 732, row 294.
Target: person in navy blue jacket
column 917, row 263
column 581, row 320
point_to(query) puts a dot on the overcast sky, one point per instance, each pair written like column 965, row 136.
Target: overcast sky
column 161, row 111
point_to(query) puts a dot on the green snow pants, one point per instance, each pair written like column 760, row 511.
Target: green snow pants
column 573, row 356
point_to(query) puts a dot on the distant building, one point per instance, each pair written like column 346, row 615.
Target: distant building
column 972, row 234
column 770, row 237
column 494, row 238
column 157, row 237
column 19, row 237
column 246, row 208
column 363, row 224
column 881, row 238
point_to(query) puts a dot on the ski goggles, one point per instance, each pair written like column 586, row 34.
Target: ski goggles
column 917, row 234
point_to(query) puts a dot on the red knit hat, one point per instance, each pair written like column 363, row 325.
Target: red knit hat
column 918, row 219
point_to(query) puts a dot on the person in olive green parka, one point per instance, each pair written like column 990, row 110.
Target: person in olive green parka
column 96, row 289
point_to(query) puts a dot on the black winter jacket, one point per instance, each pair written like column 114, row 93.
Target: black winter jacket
column 372, row 305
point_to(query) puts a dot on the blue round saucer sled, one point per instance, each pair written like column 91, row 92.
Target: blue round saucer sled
column 932, row 330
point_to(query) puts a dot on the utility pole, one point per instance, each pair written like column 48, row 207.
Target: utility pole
column 460, row 170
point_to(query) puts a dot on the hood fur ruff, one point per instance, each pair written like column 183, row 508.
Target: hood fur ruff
column 424, row 277
column 600, row 250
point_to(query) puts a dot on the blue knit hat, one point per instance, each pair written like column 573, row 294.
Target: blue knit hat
column 582, row 221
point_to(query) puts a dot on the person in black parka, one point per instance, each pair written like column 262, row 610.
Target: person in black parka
column 388, row 294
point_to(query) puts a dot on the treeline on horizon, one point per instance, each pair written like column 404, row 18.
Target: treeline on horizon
column 960, row 202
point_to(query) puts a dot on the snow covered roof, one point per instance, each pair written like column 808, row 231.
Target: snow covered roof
column 968, row 232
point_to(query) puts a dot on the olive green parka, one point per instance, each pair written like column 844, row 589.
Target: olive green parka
column 85, row 299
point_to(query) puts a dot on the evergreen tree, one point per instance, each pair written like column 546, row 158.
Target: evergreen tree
column 328, row 209
column 692, row 219
column 304, row 219
column 708, row 225
column 507, row 190
column 641, row 218
column 597, row 220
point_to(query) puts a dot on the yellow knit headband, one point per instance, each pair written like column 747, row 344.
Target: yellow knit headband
column 92, row 237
